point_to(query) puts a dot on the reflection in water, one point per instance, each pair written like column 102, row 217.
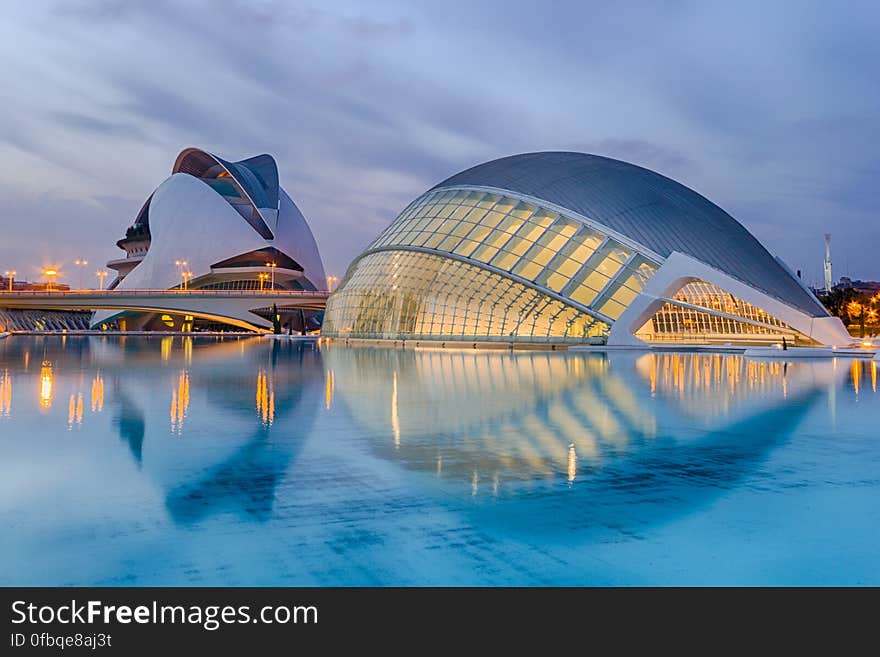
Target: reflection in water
column 614, row 426
column 131, row 424
column 179, row 402
column 46, row 382
column 328, row 392
column 395, row 420
column 98, row 393
column 244, row 480
column 265, row 399
column 522, row 467
column 75, row 411
column 5, row 394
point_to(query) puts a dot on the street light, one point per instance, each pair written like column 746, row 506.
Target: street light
column 181, row 268
column 82, row 264
column 272, row 266
column 50, row 274
column 262, row 276
column 102, row 275
column 10, row 274
column 330, row 281
column 187, row 275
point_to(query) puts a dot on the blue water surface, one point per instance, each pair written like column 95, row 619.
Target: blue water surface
column 188, row 461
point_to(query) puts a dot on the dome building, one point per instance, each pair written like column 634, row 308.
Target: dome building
column 213, row 225
column 562, row 248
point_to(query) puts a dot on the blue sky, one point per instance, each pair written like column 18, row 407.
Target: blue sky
column 771, row 110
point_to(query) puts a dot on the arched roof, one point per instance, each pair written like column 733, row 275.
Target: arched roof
column 651, row 209
column 256, row 176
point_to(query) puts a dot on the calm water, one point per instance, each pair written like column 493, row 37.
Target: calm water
column 175, row 461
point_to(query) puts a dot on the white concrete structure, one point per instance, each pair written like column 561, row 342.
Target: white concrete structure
column 573, row 248
column 215, row 224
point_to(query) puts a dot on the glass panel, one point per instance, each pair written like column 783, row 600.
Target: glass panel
column 420, row 295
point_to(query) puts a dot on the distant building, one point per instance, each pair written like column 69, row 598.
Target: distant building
column 21, row 286
column 864, row 287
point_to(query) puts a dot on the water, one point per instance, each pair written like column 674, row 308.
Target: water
column 176, row 461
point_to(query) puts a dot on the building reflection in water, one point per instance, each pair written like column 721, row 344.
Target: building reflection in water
column 617, row 424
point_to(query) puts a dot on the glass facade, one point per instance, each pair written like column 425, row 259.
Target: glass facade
column 489, row 233
column 462, row 264
column 415, row 295
column 687, row 323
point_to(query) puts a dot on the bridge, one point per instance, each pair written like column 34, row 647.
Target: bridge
column 235, row 307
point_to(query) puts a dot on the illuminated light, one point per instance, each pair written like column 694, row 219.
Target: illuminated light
column 475, row 480
column 71, row 410
column 395, row 420
column 167, row 320
column 439, row 464
column 46, row 385
column 572, row 463
column 79, row 409
column 873, row 376
column 187, row 350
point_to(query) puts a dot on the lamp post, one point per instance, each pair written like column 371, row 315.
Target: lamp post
column 330, row 281
column 187, row 275
column 181, row 269
column 50, row 274
column 102, row 275
column 82, row 264
column 10, row 274
column 272, row 266
column 262, row 276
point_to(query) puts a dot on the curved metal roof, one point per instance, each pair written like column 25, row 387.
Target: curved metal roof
column 257, row 176
column 653, row 210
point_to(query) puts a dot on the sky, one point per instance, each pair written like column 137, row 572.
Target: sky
column 769, row 109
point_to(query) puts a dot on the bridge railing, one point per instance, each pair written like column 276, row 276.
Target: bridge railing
column 171, row 292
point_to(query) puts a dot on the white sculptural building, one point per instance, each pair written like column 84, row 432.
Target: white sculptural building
column 214, row 225
column 560, row 247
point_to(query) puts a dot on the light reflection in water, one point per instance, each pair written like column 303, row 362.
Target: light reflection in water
column 265, row 399
column 328, row 393
column 179, row 402
column 5, row 394
column 46, row 384
column 395, row 420
column 75, row 411
column 165, row 348
column 98, row 393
